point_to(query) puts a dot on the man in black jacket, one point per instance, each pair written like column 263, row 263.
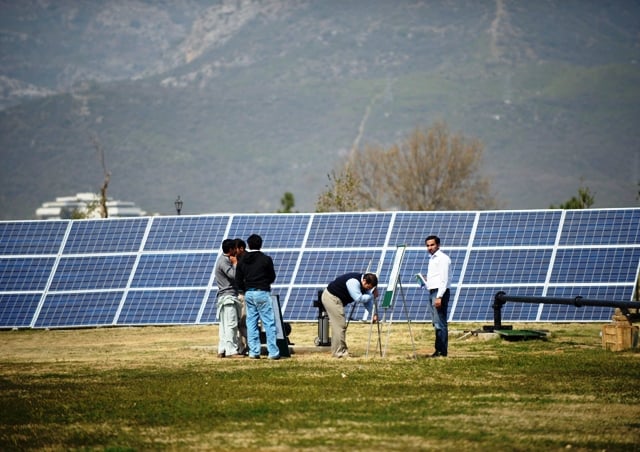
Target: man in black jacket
column 254, row 275
column 345, row 289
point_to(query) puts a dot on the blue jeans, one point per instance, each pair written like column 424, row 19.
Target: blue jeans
column 258, row 304
column 439, row 321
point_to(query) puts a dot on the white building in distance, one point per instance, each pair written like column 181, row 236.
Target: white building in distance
column 86, row 204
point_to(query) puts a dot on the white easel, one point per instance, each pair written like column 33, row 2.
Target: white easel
column 388, row 302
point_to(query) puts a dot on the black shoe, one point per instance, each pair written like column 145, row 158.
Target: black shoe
column 254, row 357
column 436, row 355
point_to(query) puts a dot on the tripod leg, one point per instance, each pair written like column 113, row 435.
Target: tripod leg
column 353, row 307
column 374, row 315
column 379, row 337
column 406, row 314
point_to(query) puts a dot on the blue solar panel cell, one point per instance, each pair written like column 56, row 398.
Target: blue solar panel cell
column 25, row 273
column 417, row 261
column 277, row 231
column 321, row 267
column 169, row 307
column 209, row 313
column 78, row 309
column 474, row 304
column 595, row 265
column 601, row 227
column 418, row 304
column 566, row 313
column 105, row 236
column 284, row 264
column 413, row 300
column 300, row 305
column 526, row 228
column 31, row 237
column 349, row 230
column 186, row 233
column 562, row 313
column 174, row 270
column 412, row 228
column 384, row 271
column 507, row 266
column 17, row 310
column 93, row 272
column 598, row 292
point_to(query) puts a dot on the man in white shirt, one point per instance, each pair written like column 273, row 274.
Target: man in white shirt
column 438, row 283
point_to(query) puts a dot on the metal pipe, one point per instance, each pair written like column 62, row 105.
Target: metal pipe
column 501, row 298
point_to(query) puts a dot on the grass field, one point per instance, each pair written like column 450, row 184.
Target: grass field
column 163, row 388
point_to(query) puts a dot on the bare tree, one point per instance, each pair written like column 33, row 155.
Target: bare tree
column 431, row 169
column 104, row 213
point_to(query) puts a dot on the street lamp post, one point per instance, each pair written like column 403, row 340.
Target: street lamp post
column 178, row 204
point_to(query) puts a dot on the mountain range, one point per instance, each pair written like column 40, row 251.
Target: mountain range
column 230, row 104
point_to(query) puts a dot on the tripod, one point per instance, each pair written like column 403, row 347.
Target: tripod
column 388, row 302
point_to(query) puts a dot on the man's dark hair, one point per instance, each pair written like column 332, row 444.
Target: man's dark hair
column 433, row 237
column 228, row 245
column 371, row 278
column 254, row 241
column 239, row 243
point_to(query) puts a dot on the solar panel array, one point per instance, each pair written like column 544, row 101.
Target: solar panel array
column 159, row 270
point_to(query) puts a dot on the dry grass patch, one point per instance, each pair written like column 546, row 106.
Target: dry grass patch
column 155, row 388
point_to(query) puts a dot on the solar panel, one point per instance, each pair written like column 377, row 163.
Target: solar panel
column 601, row 227
column 528, row 228
column 105, row 236
column 174, row 270
column 507, row 266
column 277, row 231
column 209, row 309
column 78, row 309
column 284, row 263
column 416, row 260
column 565, row 313
column 320, row 267
column 92, row 272
column 159, row 270
column 17, row 310
column 186, row 233
column 25, row 273
column 349, row 230
column 158, row 307
column 412, row 228
column 300, row 307
column 31, row 237
column 595, row 265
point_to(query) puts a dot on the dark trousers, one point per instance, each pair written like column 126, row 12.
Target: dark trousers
column 439, row 321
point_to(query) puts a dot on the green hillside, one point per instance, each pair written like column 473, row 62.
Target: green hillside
column 273, row 104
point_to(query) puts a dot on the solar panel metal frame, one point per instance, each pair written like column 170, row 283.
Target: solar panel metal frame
column 159, row 270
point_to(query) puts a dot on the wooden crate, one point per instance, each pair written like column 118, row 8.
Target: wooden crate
column 617, row 337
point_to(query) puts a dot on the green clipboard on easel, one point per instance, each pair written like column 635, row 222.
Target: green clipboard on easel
column 390, row 296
